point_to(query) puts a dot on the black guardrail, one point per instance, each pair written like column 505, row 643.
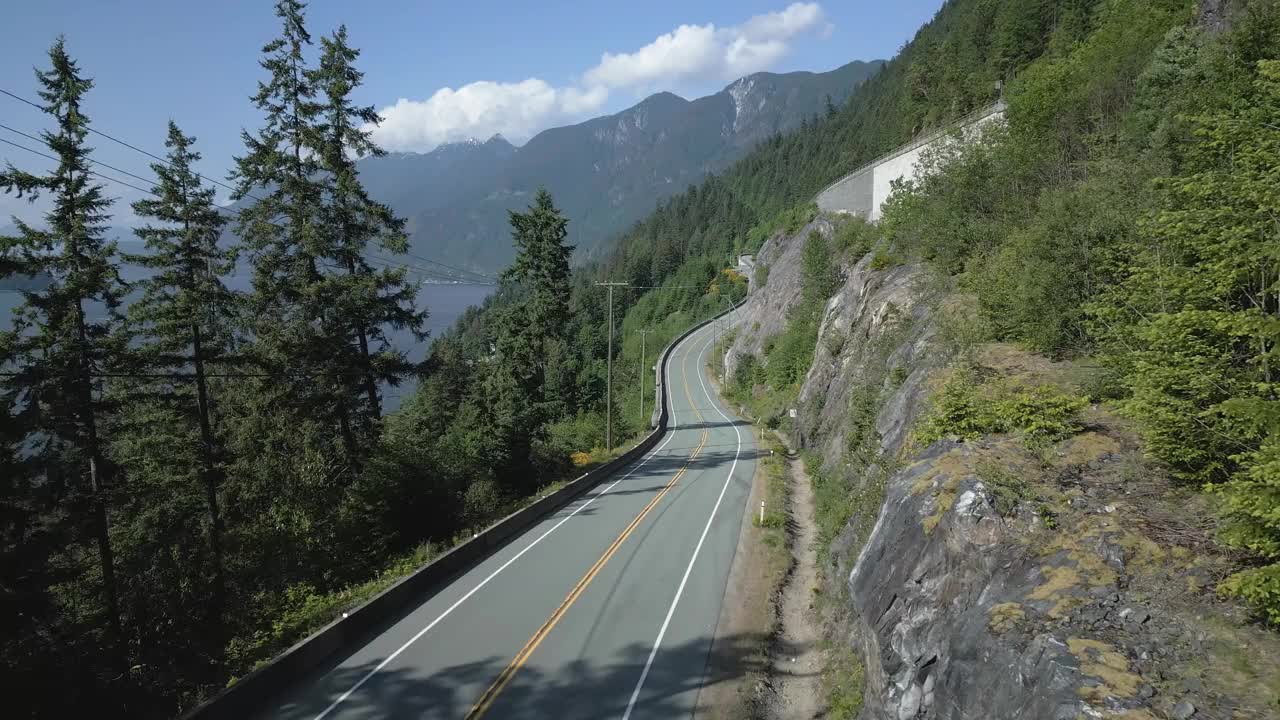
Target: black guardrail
column 251, row 692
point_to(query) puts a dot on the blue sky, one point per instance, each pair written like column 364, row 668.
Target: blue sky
column 440, row 71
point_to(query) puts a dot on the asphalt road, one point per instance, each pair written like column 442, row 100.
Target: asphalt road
column 606, row 609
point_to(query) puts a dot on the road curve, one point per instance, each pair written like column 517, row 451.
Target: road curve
column 605, row 609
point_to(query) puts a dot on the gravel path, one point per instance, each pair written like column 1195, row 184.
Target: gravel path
column 797, row 661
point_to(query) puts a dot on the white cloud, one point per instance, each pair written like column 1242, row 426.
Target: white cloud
column 707, row 52
column 480, row 109
column 518, row 110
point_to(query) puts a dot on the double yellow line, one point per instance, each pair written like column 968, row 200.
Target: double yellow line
column 487, row 699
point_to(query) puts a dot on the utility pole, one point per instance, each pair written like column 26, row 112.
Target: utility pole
column 608, row 392
column 642, row 334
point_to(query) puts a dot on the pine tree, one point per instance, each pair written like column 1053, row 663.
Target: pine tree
column 366, row 301
column 541, row 270
column 284, row 232
column 167, row 440
column 519, row 400
column 61, row 338
column 541, row 266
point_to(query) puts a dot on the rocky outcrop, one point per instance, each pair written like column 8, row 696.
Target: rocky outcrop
column 995, row 580
column 874, row 338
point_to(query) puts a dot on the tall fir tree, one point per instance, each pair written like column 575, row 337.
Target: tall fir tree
column 367, row 302
column 61, row 342
column 282, row 229
column 530, row 334
column 166, row 438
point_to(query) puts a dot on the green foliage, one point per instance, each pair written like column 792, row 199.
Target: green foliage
column 56, row 524
column 883, row 260
column 303, row 609
column 899, row 376
column 968, row 408
column 854, row 238
column 371, row 300
column 819, row 271
column 843, row 681
column 1007, row 487
column 166, row 437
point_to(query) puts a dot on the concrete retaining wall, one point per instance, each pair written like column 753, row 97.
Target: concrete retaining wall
column 865, row 190
column 252, row 692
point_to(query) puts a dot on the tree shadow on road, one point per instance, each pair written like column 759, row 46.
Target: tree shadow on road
column 578, row 689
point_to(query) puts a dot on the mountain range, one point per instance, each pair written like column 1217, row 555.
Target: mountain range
column 605, row 173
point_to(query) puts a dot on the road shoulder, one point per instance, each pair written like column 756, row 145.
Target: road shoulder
column 737, row 664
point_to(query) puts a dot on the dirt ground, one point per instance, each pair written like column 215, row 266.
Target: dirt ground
column 797, row 662
column 739, row 653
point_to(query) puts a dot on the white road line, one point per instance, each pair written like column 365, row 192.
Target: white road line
column 644, row 675
column 342, row 698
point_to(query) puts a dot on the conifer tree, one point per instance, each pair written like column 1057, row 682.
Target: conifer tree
column 1204, row 369
column 367, row 301
column 61, row 337
column 167, row 440
column 542, row 265
column 283, row 231
column 530, row 332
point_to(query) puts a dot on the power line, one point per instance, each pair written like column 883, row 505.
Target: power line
column 388, row 262
column 219, row 183
column 426, row 271
column 198, row 175
column 451, row 267
column 95, row 174
column 91, row 161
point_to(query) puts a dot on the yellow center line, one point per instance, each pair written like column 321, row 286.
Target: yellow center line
column 486, row 700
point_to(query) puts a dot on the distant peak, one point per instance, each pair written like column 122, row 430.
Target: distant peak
column 498, row 138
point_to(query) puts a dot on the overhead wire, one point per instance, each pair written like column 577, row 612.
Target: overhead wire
column 440, row 275
column 91, row 172
column 135, row 148
column 385, row 261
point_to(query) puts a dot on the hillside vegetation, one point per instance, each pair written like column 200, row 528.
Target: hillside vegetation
column 1128, row 213
column 164, row 544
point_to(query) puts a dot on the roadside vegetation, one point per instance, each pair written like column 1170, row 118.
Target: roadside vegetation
column 1126, row 213
column 1122, row 220
column 168, row 533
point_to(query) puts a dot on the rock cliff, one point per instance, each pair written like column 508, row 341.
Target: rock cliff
column 995, row 577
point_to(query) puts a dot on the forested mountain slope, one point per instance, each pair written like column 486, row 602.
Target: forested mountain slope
column 605, row 173
column 1118, row 223
column 1123, row 224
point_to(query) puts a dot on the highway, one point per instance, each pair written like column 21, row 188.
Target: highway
column 605, row 609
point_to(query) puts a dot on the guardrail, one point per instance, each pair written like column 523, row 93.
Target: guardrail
column 254, row 690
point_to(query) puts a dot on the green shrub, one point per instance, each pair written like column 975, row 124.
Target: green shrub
column 762, row 275
column 899, row 375
column 855, row 237
column 1251, row 506
column 883, row 260
column 302, row 610
column 1007, row 487
column 1041, row 414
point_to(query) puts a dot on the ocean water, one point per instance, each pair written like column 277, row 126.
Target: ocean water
column 444, row 303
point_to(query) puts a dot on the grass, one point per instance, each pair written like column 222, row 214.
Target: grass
column 843, row 678
column 774, row 466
